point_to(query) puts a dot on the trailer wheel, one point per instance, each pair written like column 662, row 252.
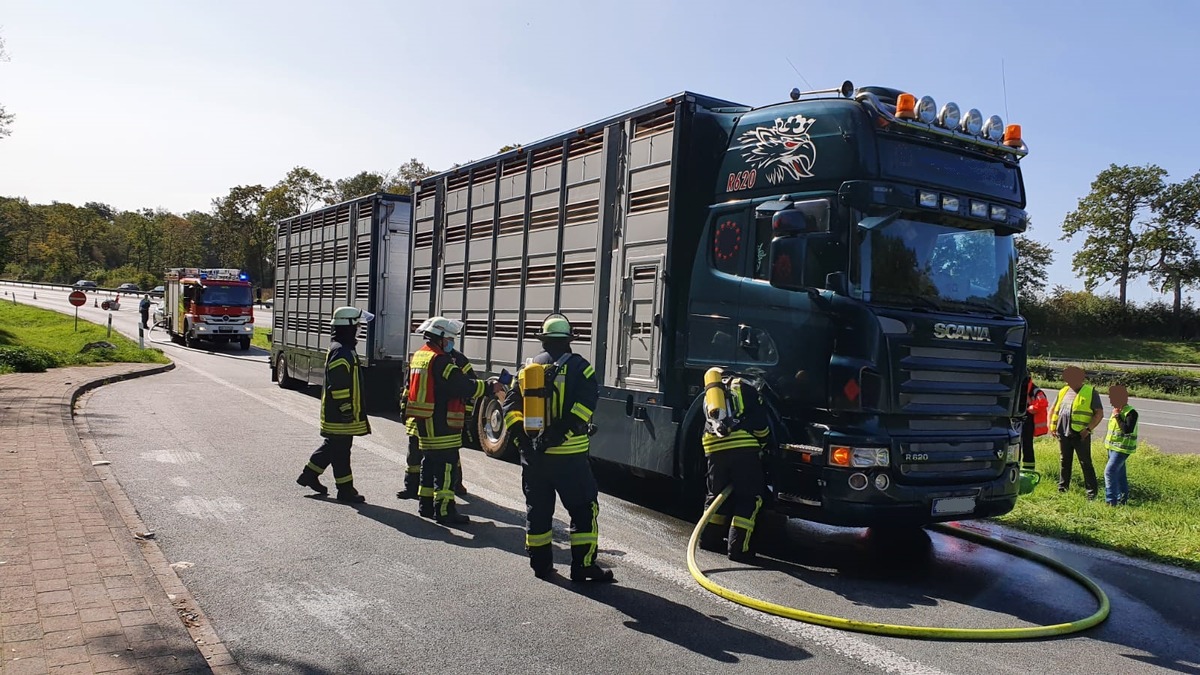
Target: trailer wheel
column 492, row 434
column 282, row 378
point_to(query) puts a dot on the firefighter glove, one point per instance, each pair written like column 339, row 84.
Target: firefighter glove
column 553, row 436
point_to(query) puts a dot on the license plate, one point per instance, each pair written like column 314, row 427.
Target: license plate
column 948, row 505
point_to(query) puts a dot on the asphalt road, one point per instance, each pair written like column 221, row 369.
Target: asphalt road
column 208, row 453
column 1173, row 427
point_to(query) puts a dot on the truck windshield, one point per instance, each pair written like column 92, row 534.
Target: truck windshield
column 238, row 296
column 909, row 263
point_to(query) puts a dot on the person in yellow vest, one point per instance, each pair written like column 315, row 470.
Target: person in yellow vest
column 434, row 412
column 1076, row 413
column 1121, row 441
column 735, row 431
column 549, row 414
column 342, row 416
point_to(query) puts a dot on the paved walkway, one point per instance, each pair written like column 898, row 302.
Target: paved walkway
column 80, row 592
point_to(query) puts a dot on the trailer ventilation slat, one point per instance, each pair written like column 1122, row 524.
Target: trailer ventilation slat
column 543, row 219
column 511, row 224
column 479, row 278
column 587, row 145
column 653, row 124
column 456, row 233
column 582, row 270
column 649, row 199
column 482, row 229
column 508, row 276
column 506, row 329
column 423, row 239
column 475, row 329
column 547, row 156
column 540, row 274
column 457, row 181
column 421, row 283
column 513, row 167
column 583, row 212
column 454, row 280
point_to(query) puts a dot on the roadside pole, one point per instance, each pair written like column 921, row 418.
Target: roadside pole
column 76, row 318
column 141, row 339
column 110, row 325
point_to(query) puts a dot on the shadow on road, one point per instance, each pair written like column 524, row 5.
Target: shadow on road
column 491, row 526
column 711, row 636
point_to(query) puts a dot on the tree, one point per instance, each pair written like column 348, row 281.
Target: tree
column 361, row 183
column 236, row 229
column 1033, row 260
column 6, row 118
column 409, row 172
column 305, row 189
column 1114, row 216
column 1170, row 246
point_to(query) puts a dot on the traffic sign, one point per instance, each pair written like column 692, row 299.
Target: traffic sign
column 77, row 298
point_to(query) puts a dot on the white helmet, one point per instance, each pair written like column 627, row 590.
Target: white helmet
column 348, row 316
column 440, row 326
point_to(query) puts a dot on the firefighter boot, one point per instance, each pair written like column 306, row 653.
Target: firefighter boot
column 712, row 538
column 311, row 479
column 411, row 486
column 739, row 549
column 541, row 559
column 425, row 507
column 347, row 493
column 584, row 567
column 447, row 514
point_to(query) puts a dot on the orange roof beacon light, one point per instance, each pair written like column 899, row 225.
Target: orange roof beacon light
column 1012, row 136
column 906, row 107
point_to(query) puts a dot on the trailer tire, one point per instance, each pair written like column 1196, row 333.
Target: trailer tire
column 490, row 429
column 282, row 378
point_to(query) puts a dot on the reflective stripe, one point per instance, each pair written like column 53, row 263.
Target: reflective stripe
column 316, row 469
column 582, row 412
column 339, row 393
column 420, row 401
column 336, row 363
column 718, row 519
column 543, row 539
column 450, row 442
column 749, row 529
column 743, row 523
column 413, row 469
column 344, row 479
column 589, row 371
column 1081, row 408
column 345, row 428
column 739, row 438
column 514, row 418
column 448, row 370
column 591, row 538
column 424, row 491
column 574, row 445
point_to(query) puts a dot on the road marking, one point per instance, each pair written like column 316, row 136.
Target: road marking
column 1168, row 426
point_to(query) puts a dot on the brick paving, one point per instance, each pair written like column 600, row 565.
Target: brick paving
column 78, row 592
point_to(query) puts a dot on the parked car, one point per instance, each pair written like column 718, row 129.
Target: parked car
column 128, row 288
column 85, row 285
column 158, row 291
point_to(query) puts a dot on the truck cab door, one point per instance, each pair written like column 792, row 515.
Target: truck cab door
column 721, row 262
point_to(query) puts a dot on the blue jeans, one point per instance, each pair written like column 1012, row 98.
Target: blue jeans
column 1116, row 480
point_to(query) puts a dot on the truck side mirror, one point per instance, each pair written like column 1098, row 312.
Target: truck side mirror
column 836, row 282
column 787, row 263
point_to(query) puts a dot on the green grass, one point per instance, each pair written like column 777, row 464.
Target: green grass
column 22, row 326
column 1118, row 349
column 1139, row 391
column 261, row 338
column 1160, row 523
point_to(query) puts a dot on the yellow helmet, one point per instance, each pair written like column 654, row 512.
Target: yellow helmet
column 556, row 326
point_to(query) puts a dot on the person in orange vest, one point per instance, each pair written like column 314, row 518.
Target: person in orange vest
column 412, row 469
column 435, row 413
column 1036, row 423
column 1076, row 413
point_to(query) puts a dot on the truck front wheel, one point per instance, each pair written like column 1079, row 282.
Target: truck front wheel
column 493, row 435
column 282, row 378
column 188, row 339
column 245, row 344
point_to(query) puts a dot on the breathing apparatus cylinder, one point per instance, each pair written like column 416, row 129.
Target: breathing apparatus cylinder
column 532, row 380
column 715, row 410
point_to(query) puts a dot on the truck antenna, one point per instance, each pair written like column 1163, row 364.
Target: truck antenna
column 1004, row 84
column 799, row 73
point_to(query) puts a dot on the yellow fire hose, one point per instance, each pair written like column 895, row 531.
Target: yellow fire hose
column 894, row 630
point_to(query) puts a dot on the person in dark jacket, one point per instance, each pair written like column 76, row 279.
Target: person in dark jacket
column 735, row 431
column 554, row 451
column 435, row 412
column 144, row 310
column 412, row 469
column 342, row 416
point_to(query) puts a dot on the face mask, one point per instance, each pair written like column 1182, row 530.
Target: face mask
column 449, row 345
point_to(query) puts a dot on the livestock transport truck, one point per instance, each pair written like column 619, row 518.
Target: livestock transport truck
column 851, row 250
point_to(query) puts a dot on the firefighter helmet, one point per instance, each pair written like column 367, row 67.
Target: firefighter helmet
column 440, row 326
column 348, row 316
column 556, row 326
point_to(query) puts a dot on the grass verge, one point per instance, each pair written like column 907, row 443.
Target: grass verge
column 1158, row 524
column 260, row 338
column 1118, row 349
column 1141, row 382
column 33, row 339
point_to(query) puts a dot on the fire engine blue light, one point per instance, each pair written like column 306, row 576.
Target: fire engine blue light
column 203, row 276
column 243, row 276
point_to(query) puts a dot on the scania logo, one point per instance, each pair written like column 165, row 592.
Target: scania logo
column 959, row 331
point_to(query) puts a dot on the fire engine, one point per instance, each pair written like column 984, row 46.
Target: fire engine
column 207, row 304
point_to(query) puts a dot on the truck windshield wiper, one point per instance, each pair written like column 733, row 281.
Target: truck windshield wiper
column 917, row 301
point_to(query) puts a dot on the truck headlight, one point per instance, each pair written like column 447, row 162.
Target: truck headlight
column 1014, row 453
column 247, row 329
column 841, row 455
column 201, row 327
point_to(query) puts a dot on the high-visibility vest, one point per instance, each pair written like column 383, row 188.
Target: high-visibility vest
column 420, row 384
column 1118, row 440
column 1039, row 408
column 1081, row 408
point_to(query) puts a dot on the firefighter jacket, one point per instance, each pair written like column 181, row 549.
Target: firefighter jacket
column 464, row 364
column 1122, row 431
column 1081, row 408
column 434, row 411
column 744, row 419
column 1039, row 410
column 573, row 393
column 341, row 396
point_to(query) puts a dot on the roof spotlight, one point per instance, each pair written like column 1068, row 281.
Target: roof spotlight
column 949, row 116
column 993, row 129
column 927, row 109
column 972, row 122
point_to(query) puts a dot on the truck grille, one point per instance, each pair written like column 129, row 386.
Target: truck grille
column 937, row 381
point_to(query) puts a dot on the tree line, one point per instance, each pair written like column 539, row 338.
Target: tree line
column 60, row 243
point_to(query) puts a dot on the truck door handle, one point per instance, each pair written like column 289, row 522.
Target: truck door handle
column 746, row 337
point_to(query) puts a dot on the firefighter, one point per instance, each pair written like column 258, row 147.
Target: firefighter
column 735, row 431
column 548, row 414
column 1036, row 423
column 435, row 413
column 342, row 416
column 412, row 470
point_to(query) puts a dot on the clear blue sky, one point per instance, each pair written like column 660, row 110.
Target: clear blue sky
column 169, row 104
